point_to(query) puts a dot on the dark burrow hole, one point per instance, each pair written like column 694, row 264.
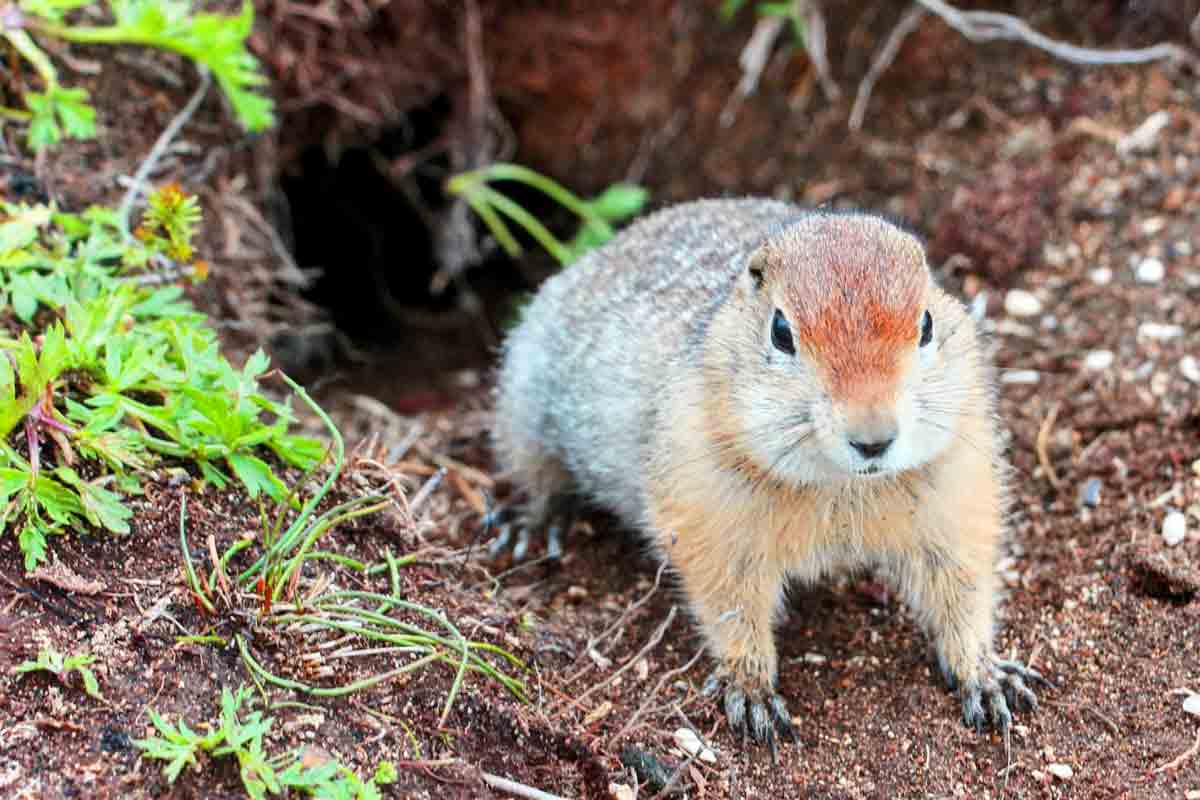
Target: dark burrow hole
column 373, row 239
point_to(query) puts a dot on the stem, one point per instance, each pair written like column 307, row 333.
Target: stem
column 515, row 172
column 318, row 530
column 339, row 451
column 527, row 221
column 495, row 224
column 193, row 581
column 15, row 114
column 29, row 50
column 318, row 691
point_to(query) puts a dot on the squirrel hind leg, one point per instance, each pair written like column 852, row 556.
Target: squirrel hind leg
column 547, row 511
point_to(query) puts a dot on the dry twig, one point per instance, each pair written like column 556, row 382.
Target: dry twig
column 514, row 788
column 160, row 147
column 752, row 61
column 608, row 632
column 883, row 59
column 650, row 644
column 665, row 678
column 814, row 45
column 990, row 26
column 1043, row 442
column 426, row 490
column 1179, row 760
column 290, row 273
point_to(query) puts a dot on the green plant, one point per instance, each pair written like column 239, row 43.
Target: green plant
column 616, row 203
column 113, row 372
column 242, row 737
column 215, row 41
column 788, row 10
column 52, row 661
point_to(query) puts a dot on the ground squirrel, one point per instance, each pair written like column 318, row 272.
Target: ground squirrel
column 769, row 394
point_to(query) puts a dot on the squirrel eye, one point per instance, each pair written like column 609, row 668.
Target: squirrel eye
column 781, row 334
column 926, row 329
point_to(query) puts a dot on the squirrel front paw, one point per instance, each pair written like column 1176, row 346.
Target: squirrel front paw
column 515, row 533
column 990, row 697
column 754, row 709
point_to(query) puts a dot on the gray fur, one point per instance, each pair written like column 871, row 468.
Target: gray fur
column 601, row 339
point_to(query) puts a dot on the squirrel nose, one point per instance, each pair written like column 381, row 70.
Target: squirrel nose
column 872, row 449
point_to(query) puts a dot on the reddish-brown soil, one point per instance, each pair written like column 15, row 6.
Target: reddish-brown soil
column 1007, row 161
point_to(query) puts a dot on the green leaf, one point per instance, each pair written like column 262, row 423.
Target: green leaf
column 90, row 684
column 77, row 117
column 21, row 229
column 730, row 8
column 299, row 451
column 620, row 201
column 57, row 112
column 385, row 773
column 24, row 301
column 217, row 41
column 101, row 507
column 60, row 503
column 33, row 545
column 43, row 128
column 80, row 663
column 178, row 747
column 213, row 475
column 256, row 475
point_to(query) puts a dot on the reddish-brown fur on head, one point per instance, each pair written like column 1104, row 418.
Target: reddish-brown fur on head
column 853, row 288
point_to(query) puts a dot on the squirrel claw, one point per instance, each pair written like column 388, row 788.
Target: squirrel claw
column 761, row 716
column 1004, row 687
column 518, row 542
column 501, row 543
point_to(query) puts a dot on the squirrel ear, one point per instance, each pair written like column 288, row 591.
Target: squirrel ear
column 756, row 266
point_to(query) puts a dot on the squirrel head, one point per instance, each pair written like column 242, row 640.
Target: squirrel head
column 860, row 364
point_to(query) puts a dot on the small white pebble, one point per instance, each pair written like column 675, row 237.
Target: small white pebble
column 1061, row 771
column 1020, row 303
column 1191, row 794
column 619, row 791
column 1101, row 277
column 690, row 743
column 1054, row 255
column 1159, row 384
column 1174, row 528
column 1159, row 331
column 814, row 658
column 641, row 669
column 1020, row 376
column 1144, row 136
column 1153, row 225
column 1098, row 360
column 1151, row 270
column 1190, row 368
column 1191, row 705
column 687, row 740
